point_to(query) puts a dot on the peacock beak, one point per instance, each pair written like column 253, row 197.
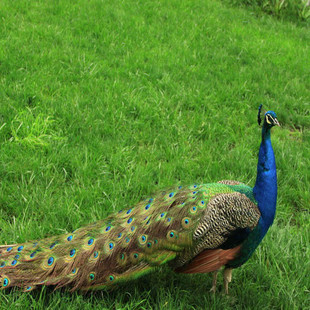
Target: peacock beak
column 276, row 122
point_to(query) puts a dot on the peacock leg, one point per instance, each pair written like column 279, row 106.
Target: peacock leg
column 214, row 275
column 227, row 278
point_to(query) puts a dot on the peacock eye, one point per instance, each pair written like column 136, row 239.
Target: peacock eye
column 186, row 222
column 5, row 282
column 171, row 235
column 50, row 261
column 72, row 252
column 142, row 239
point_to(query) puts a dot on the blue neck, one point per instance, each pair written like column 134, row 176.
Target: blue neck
column 265, row 189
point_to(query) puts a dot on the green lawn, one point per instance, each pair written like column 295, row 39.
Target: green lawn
column 104, row 102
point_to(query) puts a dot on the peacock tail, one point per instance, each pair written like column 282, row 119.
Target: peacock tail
column 193, row 229
column 165, row 228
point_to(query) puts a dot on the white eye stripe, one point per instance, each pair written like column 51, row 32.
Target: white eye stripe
column 269, row 119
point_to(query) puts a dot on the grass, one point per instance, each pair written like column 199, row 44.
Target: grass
column 105, row 102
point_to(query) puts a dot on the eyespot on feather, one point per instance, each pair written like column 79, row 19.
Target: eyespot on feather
column 6, row 281
column 96, row 254
column 142, row 239
column 72, row 252
column 92, row 276
column 90, row 241
column 122, row 259
column 108, row 228
column 193, row 210
column 52, row 245
column 135, row 257
column 186, row 223
column 172, row 235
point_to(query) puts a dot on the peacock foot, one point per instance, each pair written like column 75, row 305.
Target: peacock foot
column 213, row 288
column 227, row 278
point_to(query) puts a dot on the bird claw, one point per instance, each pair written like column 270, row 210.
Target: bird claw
column 213, row 289
column 227, row 278
column 214, row 278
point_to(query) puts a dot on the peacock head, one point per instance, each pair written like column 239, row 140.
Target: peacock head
column 270, row 118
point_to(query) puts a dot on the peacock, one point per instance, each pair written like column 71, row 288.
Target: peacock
column 193, row 229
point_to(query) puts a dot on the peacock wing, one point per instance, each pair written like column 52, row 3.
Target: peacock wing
column 227, row 221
